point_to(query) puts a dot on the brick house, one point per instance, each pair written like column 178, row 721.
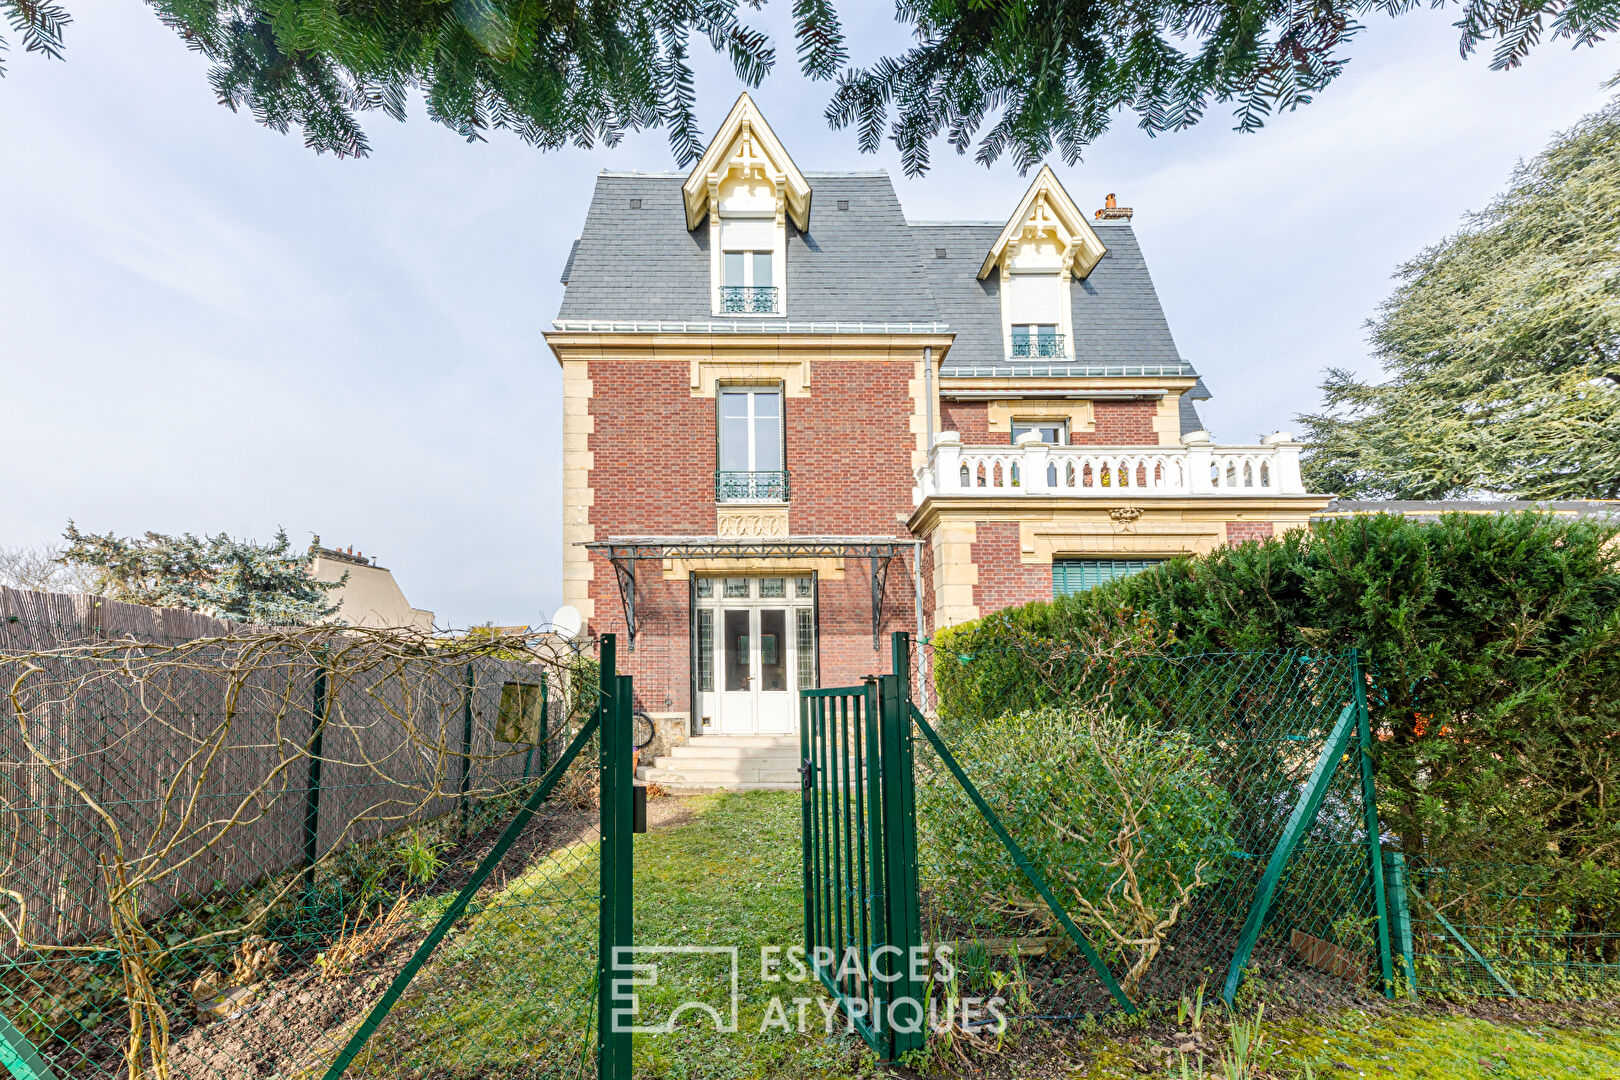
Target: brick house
column 795, row 421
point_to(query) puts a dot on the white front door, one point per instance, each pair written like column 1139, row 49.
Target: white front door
column 755, row 650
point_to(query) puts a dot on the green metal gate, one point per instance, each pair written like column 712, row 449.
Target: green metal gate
column 861, row 925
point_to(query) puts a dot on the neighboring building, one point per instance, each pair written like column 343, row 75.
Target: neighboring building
column 770, row 417
column 371, row 596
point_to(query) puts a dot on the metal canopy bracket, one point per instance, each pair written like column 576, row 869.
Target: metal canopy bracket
column 880, row 584
column 625, row 552
column 625, row 571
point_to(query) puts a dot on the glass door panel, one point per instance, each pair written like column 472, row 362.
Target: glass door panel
column 738, row 675
column 773, row 667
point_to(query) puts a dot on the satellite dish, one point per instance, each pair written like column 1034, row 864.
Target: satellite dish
column 567, row 622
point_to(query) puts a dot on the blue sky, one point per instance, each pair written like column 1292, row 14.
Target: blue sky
column 205, row 327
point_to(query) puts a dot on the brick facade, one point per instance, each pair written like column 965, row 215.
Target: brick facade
column 1120, row 423
column 1240, row 532
column 1116, row 423
column 971, row 419
column 653, row 467
column 1004, row 580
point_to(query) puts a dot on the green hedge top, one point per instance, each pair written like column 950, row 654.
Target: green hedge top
column 1492, row 645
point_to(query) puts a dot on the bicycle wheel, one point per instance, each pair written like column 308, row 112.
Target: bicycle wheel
column 642, row 731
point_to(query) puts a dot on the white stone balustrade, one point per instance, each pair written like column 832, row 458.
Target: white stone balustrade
column 1197, row 468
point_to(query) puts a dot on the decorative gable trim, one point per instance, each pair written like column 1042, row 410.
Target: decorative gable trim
column 745, row 143
column 1047, row 211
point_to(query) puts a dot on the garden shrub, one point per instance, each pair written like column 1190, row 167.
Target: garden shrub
column 1125, row 821
column 1491, row 645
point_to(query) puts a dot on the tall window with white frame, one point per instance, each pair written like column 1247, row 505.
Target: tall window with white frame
column 747, row 286
column 752, row 453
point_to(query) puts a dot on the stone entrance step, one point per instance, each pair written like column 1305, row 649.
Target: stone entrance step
column 730, row 762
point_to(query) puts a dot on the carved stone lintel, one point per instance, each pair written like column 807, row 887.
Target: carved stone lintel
column 1125, row 515
column 752, row 522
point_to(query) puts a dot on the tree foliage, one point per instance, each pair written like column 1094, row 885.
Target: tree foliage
column 1501, row 348
column 237, row 580
column 1019, row 76
column 1492, row 644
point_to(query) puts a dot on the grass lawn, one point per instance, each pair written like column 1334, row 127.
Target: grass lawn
column 510, row 995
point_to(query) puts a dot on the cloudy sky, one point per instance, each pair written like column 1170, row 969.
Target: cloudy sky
column 205, row 327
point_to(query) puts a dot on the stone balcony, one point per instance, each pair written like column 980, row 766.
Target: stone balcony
column 1031, row 469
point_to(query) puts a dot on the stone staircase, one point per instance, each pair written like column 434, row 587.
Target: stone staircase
column 732, row 762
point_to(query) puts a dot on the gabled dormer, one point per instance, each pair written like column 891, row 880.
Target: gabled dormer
column 748, row 188
column 1046, row 244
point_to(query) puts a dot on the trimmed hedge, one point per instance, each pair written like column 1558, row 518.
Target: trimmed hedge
column 1491, row 642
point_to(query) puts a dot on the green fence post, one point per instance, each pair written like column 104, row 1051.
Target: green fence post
column 900, row 846
column 614, row 925
column 1299, row 822
column 19, row 1056
column 1369, row 804
column 466, row 745
column 312, row 790
column 1401, row 918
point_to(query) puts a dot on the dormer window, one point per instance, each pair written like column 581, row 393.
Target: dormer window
column 748, row 188
column 1045, row 245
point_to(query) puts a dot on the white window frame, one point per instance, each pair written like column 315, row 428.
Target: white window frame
column 753, row 391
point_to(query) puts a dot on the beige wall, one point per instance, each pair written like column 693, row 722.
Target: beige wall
column 1049, row 529
column 371, row 596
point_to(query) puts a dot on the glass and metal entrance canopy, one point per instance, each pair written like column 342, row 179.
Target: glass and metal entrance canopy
column 624, row 552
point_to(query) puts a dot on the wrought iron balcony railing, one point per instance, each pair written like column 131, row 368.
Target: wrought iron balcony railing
column 1028, row 345
column 748, row 299
column 751, row 486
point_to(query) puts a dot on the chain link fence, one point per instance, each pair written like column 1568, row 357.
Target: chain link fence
column 219, row 852
column 1193, row 817
column 1507, row 930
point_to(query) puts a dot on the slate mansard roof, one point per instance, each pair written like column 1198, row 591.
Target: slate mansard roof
column 644, row 265
column 636, row 261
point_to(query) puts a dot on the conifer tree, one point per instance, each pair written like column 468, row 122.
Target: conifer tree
column 237, row 580
column 1022, row 78
column 1501, row 348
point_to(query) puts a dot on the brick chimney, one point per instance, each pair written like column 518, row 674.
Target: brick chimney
column 1112, row 211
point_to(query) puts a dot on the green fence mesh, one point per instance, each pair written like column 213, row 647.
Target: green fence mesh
column 1216, row 754
column 1503, row 930
column 218, row 853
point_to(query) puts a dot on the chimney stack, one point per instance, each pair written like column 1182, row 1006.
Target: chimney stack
column 1112, row 211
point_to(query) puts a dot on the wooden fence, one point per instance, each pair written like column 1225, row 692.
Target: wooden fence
column 125, row 741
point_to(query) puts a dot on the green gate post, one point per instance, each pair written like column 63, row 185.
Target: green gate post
column 900, row 847
column 466, row 746
column 312, row 790
column 614, row 926
column 806, row 777
column 1401, row 917
column 1369, row 804
column 1299, row 823
column 876, row 757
